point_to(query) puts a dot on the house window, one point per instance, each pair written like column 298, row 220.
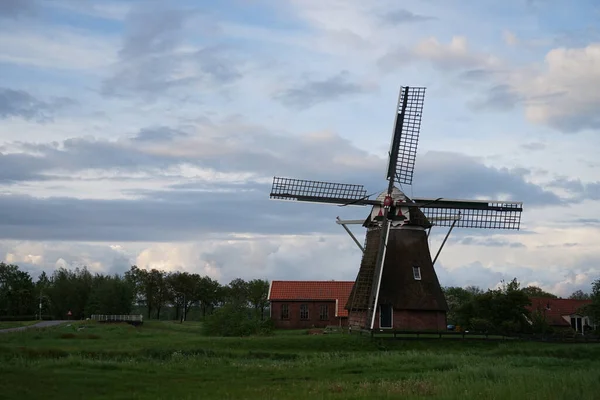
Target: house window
column 285, row 311
column 324, row 313
column 417, row 273
column 303, row 311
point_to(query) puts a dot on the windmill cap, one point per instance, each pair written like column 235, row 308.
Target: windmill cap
column 397, row 194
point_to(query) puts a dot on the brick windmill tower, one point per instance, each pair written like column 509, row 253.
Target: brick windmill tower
column 396, row 286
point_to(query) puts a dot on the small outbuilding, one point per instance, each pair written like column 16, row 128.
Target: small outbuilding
column 309, row 304
column 562, row 313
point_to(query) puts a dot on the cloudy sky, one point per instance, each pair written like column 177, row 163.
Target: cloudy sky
column 141, row 132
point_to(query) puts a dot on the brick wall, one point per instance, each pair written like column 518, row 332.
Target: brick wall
column 411, row 320
column 295, row 322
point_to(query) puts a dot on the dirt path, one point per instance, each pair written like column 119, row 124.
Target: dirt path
column 41, row 324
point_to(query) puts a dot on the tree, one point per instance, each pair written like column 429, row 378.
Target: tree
column 183, row 290
column 535, row 291
column 17, row 291
column 501, row 309
column 237, row 292
column 210, row 293
column 41, row 286
column 110, row 295
column 157, row 292
column 149, row 288
column 69, row 290
column 580, row 295
column 593, row 310
column 474, row 290
column 458, row 298
column 258, row 292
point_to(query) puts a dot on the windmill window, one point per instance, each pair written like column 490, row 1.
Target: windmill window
column 417, row 273
column 324, row 313
column 285, row 311
column 303, row 311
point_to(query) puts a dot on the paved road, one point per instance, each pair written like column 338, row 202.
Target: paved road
column 41, row 324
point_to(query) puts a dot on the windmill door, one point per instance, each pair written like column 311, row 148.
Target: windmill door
column 385, row 315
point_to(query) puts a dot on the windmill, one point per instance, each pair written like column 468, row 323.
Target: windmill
column 397, row 279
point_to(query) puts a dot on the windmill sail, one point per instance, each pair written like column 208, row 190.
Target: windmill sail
column 407, row 126
column 481, row 214
column 319, row 192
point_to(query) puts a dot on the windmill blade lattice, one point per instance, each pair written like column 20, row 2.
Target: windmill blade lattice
column 318, row 192
column 472, row 214
column 407, row 126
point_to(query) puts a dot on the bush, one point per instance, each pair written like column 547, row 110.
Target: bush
column 480, row 324
column 235, row 320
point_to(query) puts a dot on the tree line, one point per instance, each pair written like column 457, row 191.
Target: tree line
column 504, row 309
column 151, row 292
column 175, row 295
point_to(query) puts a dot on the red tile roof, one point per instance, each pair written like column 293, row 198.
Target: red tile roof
column 313, row 290
column 557, row 308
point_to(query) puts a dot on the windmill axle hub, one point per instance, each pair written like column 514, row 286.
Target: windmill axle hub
column 388, row 201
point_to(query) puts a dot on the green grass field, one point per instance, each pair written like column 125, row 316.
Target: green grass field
column 15, row 324
column 172, row 361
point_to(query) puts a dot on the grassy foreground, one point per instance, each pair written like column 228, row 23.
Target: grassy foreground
column 15, row 324
column 172, row 361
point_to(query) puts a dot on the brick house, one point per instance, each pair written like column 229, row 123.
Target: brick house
column 562, row 313
column 308, row 304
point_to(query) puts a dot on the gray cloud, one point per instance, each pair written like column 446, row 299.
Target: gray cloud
column 576, row 122
column 230, row 147
column 477, row 74
column 234, row 147
column 533, row 146
column 310, row 93
column 200, row 206
column 586, row 221
column 20, row 167
column 403, row 16
column 158, row 134
column 500, row 97
column 566, row 183
column 474, row 274
column 18, row 103
column 152, row 60
column 551, row 246
column 163, row 216
column 15, row 8
column 454, row 175
column 81, row 153
column 487, row 241
column 580, row 190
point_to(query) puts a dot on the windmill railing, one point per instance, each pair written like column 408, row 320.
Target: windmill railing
column 135, row 319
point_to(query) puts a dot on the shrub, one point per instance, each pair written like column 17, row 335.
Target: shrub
column 480, row 324
column 235, row 320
